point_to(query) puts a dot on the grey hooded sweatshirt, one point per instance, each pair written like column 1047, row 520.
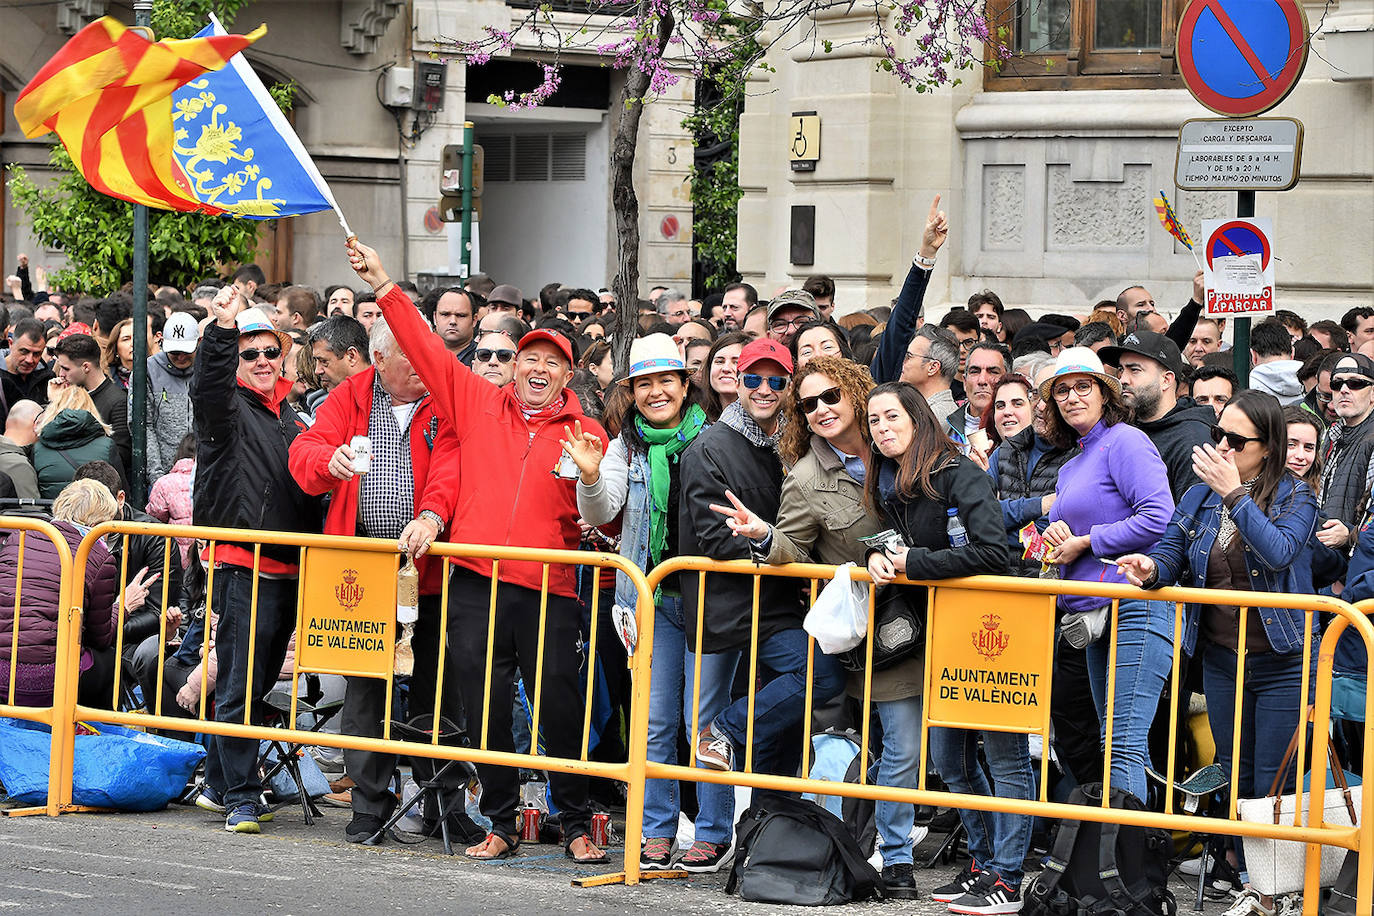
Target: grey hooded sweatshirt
column 1279, row 378
column 169, row 413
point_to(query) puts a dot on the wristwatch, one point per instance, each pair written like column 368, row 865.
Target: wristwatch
column 923, row 263
column 433, row 517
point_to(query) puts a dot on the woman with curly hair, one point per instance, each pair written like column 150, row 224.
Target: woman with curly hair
column 821, row 518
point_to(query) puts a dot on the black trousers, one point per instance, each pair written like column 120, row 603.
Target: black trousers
column 364, row 710
column 515, row 644
column 1077, row 730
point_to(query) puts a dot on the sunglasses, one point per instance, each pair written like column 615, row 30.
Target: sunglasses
column 501, row 356
column 1354, row 384
column 829, row 396
column 252, row 353
column 752, row 381
column 579, row 316
column 1235, row 441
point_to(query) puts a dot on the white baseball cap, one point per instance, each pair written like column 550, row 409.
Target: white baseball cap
column 181, row 333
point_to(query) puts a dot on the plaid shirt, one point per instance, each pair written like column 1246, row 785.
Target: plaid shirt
column 386, row 496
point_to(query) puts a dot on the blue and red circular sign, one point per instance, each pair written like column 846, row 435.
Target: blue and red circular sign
column 1241, row 57
column 1236, row 239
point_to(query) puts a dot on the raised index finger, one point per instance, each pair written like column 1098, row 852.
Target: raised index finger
column 934, row 209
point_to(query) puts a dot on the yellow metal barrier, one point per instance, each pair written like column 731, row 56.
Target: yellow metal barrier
column 66, row 711
column 312, row 549
column 62, row 728
column 1360, row 838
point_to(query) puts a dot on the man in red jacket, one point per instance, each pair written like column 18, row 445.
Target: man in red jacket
column 518, row 489
column 407, row 495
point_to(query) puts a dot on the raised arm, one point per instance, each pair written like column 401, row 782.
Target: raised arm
column 902, row 323
column 214, row 378
column 457, row 392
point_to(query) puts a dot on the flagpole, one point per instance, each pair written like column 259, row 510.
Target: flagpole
column 138, row 414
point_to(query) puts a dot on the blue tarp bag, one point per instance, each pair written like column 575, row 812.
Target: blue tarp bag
column 114, row 768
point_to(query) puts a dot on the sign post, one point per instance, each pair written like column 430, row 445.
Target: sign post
column 1241, row 58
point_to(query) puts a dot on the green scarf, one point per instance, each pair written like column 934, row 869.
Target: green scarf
column 665, row 444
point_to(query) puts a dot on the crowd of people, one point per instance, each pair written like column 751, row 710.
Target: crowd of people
column 1113, row 445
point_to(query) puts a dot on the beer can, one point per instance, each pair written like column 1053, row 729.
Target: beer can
column 530, row 818
column 601, row 830
column 362, row 454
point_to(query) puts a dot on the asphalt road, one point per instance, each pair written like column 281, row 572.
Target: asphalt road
column 182, row 861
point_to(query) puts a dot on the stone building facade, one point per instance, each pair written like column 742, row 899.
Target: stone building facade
column 546, row 207
column 1048, row 169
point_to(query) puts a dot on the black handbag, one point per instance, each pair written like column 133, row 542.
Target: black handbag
column 898, row 630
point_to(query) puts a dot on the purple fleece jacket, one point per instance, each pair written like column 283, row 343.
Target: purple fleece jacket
column 1116, row 490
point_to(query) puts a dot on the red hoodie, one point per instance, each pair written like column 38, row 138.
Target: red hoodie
column 343, row 415
column 509, row 494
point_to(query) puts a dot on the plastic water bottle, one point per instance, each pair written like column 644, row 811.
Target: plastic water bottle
column 958, row 536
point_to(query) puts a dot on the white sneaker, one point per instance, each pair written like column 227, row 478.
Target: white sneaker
column 1248, row 903
column 1191, row 867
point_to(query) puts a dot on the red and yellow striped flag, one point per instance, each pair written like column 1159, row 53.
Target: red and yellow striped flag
column 108, row 96
column 1169, row 220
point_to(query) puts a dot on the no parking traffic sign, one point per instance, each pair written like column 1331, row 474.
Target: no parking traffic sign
column 1238, row 270
column 1241, row 57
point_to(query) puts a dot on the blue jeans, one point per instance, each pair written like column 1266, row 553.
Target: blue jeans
column 1271, row 708
column 781, row 703
column 898, row 765
column 997, row 841
column 670, row 705
column 1144, row 658
column 231, row 768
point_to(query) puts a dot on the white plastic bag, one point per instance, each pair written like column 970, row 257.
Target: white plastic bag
column 839, row 618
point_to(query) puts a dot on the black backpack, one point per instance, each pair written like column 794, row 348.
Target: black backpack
column 794, row 851
column 1104, row 868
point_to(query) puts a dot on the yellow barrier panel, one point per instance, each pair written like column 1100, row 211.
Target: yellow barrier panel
column 336, row 571
column 63, row 731
column 987, row 638
column 949, row 636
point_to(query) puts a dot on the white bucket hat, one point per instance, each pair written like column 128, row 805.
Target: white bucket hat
column 652, row 354
column 255, row 321
column 1078, row 361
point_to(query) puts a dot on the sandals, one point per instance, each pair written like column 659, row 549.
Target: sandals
column 510, row 850
column 600, row 859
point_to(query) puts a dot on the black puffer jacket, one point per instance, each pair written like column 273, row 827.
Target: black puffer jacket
column 146, row 550
column 1174, row 435
column 923, row 523
column 39, row 611
column 242, row 478
column 722, row 459
column 1021, row 491
column 1346, row 454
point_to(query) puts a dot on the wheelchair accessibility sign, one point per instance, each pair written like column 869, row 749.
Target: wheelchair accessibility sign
column 804, row 140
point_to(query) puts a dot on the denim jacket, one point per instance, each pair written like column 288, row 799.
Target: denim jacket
column 623, row 485
column 1276, row 548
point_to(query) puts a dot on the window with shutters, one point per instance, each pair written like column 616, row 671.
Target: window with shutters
column 1085, row 44
column 560, row 156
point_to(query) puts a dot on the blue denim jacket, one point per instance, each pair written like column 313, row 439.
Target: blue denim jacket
column 1277, row 553
column 634, row 527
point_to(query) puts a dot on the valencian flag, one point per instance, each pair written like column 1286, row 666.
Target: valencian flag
column 175, row 125
column 1170, row 221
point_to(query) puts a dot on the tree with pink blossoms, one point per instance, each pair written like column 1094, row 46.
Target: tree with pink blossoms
column 922, row 43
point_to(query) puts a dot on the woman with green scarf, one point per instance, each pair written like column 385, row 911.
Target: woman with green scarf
column 638, row 481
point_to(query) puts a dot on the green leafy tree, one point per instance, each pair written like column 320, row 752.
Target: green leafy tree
column 715, row 128
column 95, row 232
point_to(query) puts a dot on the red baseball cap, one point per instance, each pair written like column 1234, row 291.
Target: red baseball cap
column 756, row 351
column 548, row 336
column 79, row 327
